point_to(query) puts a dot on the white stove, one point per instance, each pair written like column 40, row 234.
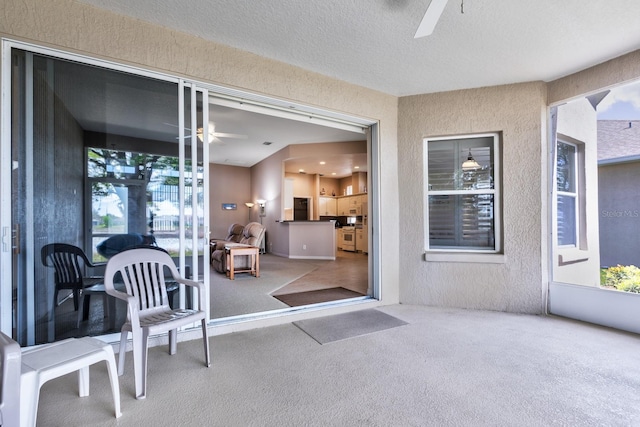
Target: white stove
column 349, row 238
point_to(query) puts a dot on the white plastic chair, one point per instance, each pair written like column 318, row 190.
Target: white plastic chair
column 10, row 354
column 137, row 276
column 24, row 373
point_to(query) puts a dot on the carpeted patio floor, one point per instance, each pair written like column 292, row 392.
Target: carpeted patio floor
column 446, row 367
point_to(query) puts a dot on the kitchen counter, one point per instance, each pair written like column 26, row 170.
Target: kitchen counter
column 312, row 239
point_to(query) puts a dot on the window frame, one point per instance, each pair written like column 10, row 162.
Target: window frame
column 575, row 194
column 496, row 192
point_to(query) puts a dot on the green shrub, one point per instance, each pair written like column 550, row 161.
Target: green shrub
column 623, row 278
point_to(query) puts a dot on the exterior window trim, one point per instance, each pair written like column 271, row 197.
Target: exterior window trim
column 462, row 254
column 575, row 195
column 581, row 243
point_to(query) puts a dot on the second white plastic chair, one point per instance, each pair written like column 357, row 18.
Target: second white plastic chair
column 137, row 276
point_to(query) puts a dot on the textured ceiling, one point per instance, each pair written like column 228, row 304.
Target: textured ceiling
column 371, row 43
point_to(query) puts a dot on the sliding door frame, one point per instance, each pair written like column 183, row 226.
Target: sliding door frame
column 277, row 107
column 6, row 202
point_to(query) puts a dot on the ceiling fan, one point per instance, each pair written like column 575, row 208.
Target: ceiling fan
column 214, row 137
column 430, row 18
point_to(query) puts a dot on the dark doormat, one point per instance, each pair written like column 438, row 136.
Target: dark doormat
column 348, row 325
column 315, row 297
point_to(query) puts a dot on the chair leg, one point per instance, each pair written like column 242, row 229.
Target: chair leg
column 173, row 341
column 83, row 381
column 122, row 351
column 29, row 396
column 113, row 378
column 140, row 351
column 205, row 338
column 76, row 298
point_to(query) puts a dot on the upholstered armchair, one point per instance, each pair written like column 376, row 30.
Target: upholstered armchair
column 234, row 234
column 252, row 235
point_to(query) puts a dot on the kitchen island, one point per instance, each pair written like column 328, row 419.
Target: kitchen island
column 311, row 239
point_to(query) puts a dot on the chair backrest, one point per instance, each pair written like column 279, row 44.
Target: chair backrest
column 11, row 359
column 142, row 273
column 65, row 259
column 253, row 234
column 235, row 233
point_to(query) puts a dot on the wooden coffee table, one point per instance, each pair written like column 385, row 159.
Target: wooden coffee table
column 232, row 250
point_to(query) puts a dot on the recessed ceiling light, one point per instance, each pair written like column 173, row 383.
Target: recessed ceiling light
column 333, row 173
column 267, row 143
column 300, row 170
column 323, row 163
column 356, row 167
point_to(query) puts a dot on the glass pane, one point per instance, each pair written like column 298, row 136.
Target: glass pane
column 566, row 220
column 461, row 222
column 59, row 108
column 147, row 203
column 566, row 167
column 463, row 164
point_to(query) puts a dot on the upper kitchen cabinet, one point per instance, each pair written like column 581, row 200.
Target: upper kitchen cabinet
column 327, row 206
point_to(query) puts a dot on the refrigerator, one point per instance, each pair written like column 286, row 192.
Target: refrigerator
column 300, row 209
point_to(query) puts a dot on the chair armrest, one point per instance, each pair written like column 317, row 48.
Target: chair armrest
column 198, row 285
column 192, row 283
column 121, row 295
column 219, row 244
column 96, row 265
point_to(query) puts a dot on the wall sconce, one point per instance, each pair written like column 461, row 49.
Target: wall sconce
column 261, row 203
column 249, row 205
column 470, row 164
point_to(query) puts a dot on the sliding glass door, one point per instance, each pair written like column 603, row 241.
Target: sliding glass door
column 90, row 152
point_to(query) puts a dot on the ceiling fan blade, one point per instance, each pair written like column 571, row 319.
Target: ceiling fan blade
column 228, row 135
column 216, row 141
column 172, row 125
column 430, row 18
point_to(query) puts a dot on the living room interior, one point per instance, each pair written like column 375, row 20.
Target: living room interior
column 131, row 180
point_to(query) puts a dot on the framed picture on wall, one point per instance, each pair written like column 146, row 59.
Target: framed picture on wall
column 229, row 207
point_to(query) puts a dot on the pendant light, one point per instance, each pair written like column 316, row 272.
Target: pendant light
column 470, row 164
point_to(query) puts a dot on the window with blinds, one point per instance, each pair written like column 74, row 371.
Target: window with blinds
column 567, row 193
column 462, row 193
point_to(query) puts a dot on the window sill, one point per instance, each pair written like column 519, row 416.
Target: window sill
column 572, row 256
column 464, row 257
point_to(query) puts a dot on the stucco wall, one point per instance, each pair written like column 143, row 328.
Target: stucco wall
column 516, row 284
column 75, row 27
column 577, row 121
column 594, row 79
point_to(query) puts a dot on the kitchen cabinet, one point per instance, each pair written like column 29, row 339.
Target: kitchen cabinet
column 351, row 205
column 362, row 240
column 327, row 206
column 343, row 206
column 339, row 239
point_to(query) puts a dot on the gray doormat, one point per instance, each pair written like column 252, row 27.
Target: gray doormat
column 318, row 296
column 348, row 325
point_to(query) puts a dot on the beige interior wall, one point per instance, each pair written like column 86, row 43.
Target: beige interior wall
column 516, row 283
column 267, row 182
column 331, row 186
column 79, row 28
column 229, row 184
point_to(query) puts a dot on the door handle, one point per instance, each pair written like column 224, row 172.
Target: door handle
column 16, row 240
